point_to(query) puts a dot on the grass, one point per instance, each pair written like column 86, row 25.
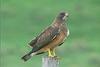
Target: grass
column 21, row 20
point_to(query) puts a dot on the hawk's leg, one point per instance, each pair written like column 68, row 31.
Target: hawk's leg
column 51, row 53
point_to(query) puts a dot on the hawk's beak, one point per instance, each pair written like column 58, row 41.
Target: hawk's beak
column 66, row 15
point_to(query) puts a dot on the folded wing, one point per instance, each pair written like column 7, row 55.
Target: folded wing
column 44, row 38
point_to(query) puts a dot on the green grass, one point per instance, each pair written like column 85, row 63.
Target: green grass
column 21, row 20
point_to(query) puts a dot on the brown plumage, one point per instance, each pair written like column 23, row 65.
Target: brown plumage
column 50, row 38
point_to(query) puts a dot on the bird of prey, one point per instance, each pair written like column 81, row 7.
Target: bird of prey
column 50, row 38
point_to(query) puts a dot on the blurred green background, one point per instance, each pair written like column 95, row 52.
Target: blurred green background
column 22, row 20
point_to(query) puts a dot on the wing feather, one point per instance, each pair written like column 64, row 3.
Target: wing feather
column 44, row 38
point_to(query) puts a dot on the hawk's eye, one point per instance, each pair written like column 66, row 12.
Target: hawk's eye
column 62, row 13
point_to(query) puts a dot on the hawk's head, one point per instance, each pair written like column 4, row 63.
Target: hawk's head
column 62, row 15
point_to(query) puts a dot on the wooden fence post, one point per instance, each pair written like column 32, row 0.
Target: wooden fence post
column 50, row 62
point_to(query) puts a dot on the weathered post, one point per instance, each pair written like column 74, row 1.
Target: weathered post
column 50, row 62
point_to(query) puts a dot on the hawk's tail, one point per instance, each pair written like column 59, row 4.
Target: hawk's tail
column 27, row 56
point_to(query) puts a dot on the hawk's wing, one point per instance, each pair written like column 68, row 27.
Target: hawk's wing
column 44, row 38
column 32, row 43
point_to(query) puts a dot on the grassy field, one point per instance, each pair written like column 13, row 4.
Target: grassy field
column 21, row 20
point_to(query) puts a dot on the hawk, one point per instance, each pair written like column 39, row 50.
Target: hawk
column 50, row 38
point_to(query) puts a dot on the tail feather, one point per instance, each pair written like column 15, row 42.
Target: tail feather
column 27, row 56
